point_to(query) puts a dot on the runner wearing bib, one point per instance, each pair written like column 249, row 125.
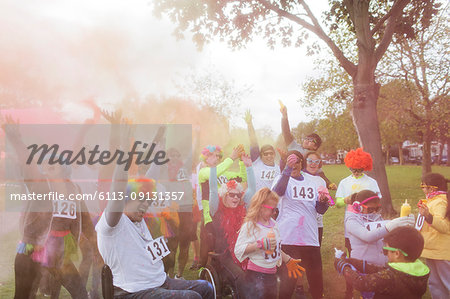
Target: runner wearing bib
column 128, row 248
column 297, row 221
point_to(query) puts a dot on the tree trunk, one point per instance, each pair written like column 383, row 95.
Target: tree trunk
column 400, row 153
column 448, row 151
column 366, row 122
column 426, row 151
column 388, row 155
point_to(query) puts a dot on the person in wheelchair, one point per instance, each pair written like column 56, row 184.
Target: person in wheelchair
column 128, row 248
column 228, row 207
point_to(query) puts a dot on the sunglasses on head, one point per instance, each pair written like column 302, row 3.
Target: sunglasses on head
column 309, row 160
column 235, row 195
column 386, row 249
column 311, row 139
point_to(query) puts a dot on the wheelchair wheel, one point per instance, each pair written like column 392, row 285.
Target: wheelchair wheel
column 229, row 292
column 211, row 276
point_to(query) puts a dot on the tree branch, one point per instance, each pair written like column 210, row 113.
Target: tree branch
column 348, row 66
column 395, row 11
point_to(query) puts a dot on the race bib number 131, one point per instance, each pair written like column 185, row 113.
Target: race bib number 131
column 158, row 249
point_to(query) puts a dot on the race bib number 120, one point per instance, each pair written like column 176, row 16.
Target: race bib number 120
column 158, row 249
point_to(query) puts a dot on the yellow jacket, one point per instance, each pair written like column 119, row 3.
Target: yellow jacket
column 437, row 234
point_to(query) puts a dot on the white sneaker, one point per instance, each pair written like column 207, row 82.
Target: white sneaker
column 178, row 277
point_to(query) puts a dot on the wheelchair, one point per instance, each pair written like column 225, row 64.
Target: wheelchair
column 211, row 272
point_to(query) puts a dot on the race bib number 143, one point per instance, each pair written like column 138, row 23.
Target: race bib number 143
column 158, row 249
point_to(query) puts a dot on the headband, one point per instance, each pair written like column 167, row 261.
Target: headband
column 367, row 199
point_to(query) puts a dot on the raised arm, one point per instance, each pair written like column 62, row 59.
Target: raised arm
column 115, row 208
column 30, row 171
column 254, row 147
column 213, row 192
column 281, row 184
column 251, row 181
column 355, row 228
column 285, row 129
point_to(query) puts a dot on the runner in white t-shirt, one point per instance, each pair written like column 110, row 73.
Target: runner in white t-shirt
column 264, row 166
column 127, row 247
column 297, row 222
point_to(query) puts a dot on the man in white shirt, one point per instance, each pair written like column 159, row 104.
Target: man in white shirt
column 128, row 248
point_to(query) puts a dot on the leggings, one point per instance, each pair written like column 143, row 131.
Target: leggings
column 27, row 272
column 263, row 285
column 68, row 277
column 311, row 261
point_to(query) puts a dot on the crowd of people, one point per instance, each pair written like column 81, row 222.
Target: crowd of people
column 263, row 224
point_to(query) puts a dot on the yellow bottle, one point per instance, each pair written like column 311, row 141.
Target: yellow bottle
column 270, row 235
column 406, row 209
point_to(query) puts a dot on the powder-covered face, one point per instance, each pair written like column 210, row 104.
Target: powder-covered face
column 267, row 210
column 356, row 172
column 372, row 206
column 54, row 171
column 232, row 198
column 213, row 159
column 313, row 163
column 268, row 157
column 136, row 209
column 296, row 170
column 309, row 143
column 427, row 189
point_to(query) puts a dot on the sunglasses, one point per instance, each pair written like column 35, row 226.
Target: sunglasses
column 386, row 249
column 235, row 195
column 265, row 154
column 356, row 169
column 317, row 162
column 268, row 207
column 372, row 209
column 428, row 186
column 310, row 139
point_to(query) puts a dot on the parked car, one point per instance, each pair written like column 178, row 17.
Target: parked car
column 413, row 160
column 395, row 160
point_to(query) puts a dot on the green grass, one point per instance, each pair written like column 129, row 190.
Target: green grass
column 403, row 182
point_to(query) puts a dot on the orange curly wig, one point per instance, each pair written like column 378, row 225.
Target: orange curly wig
column 358, row 159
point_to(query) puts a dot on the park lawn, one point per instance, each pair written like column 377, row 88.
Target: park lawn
column 404, row 184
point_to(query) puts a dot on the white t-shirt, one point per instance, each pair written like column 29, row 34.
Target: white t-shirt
column 264, row 174
column 351, row 185
column 248, row 235
column 297, row 220
column 124, row 250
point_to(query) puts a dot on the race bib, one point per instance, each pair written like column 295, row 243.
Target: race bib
column 275, row 256
column 307, row 193
column 267, row 175
column 65, row 209
column 370, row 226
column 157, row 249
column 420, row 221
column 222, row 180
